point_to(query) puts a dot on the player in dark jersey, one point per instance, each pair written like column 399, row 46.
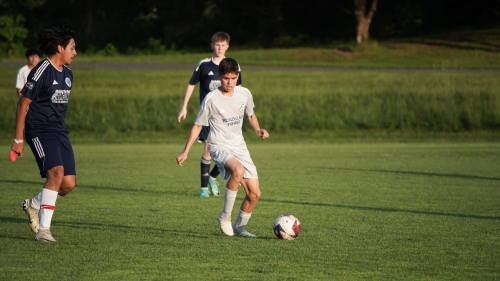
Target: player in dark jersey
column 47, row 92
column 206, row 74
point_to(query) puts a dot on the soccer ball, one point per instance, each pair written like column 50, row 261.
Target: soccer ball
column 287, row 227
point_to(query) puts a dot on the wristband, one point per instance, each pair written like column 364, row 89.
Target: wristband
column 18, row 141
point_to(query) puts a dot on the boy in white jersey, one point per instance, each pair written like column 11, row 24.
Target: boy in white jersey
column 33, row 56
column 223, row 110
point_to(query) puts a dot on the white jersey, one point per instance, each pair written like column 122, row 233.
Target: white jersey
column 225, row 116
column 22, row 76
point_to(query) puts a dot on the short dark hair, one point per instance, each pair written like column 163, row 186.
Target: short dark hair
column 220, row 36
column 228, row 65
column 54, row 34
column 33, row 51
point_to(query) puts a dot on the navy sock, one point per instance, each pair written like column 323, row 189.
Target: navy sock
column 215, row 172
column 205, row 167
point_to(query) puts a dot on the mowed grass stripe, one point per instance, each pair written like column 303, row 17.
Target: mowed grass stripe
column 368, row 211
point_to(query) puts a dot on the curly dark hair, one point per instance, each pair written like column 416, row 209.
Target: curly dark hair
column 54, row 34
column 228, row 65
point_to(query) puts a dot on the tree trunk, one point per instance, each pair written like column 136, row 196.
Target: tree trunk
column 364, row 19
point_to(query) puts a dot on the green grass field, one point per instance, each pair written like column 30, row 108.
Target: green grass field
column 383, row 211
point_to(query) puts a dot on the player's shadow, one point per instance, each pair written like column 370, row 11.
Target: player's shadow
column 380, row 209
column 108, row 188
column 471, row 177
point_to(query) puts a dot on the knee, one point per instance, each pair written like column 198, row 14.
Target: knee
column 67, row 185
column 254, row 196
column 56, row 172
column 238, row 173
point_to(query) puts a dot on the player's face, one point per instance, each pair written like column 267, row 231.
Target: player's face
column 228, row 81
column 220, row 48
column 69, row 52
column 33, row 60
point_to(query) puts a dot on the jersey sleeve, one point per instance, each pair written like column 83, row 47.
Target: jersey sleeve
column 250, row 105
column 196, row 77
column 203, row 114
column 240, row 81
column 34, row 85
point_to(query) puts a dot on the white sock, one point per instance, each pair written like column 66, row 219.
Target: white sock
column 229, row 198
column 35, row 201
column 241, row 221
column 47, row 206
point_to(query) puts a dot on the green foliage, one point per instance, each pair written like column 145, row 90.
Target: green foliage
column 13, row 32
column 108, row 50
column 368, row 212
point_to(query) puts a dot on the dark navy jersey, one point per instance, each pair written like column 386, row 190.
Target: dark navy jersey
column 49, row 90
column 206, row 73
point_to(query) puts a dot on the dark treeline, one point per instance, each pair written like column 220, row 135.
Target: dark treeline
column 156, row 25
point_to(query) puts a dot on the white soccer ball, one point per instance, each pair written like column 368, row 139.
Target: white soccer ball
column 287, row 227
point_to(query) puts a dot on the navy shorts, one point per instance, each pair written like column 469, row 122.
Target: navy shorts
column 205, row 130
column 51, row 150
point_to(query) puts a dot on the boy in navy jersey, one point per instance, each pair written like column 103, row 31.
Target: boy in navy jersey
column 206, row 73
column 47, row 92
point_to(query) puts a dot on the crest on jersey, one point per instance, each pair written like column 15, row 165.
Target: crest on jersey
column 68, row 81
column 242, row 107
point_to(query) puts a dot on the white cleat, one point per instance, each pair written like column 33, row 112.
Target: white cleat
column 43, row 235
column 32, row 213
column 244, row 233
column 225, row 225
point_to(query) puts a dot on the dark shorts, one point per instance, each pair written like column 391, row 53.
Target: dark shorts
column 51, row 150
column 204, row 133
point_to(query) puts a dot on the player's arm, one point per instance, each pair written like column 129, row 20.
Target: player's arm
column 19, row 92
column 22, row 107
column 193, row 135
column 261, row 133
column 183, row 112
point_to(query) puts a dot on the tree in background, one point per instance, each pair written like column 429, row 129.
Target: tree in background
column 12, row 31
column 364, row 19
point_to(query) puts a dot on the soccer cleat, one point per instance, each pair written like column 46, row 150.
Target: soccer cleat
column 204, row 193
column 214, row 186
column 43, row 235
column 244, row 233
column 225, row 225
column 33, row 221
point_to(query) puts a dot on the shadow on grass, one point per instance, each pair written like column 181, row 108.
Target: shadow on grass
column 95, row 187
column 316, row 204
column 472, row 177
column 378, row 209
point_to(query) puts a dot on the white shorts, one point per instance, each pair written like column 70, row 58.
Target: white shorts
column 221, row 154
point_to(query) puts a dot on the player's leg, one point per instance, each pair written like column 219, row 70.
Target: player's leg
column 236, row 170
column 204, row 163
column 68, row 157
column 50, row 191
column 40, row 146
column 212, row 181
column 253, row 193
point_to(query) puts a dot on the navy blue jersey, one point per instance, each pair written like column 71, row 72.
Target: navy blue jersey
column 206, row 73
column 49, row 90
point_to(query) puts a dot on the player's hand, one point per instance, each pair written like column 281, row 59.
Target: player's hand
column 181, row 158
column 18, row 148
column 262, row 133
column 182, row 115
